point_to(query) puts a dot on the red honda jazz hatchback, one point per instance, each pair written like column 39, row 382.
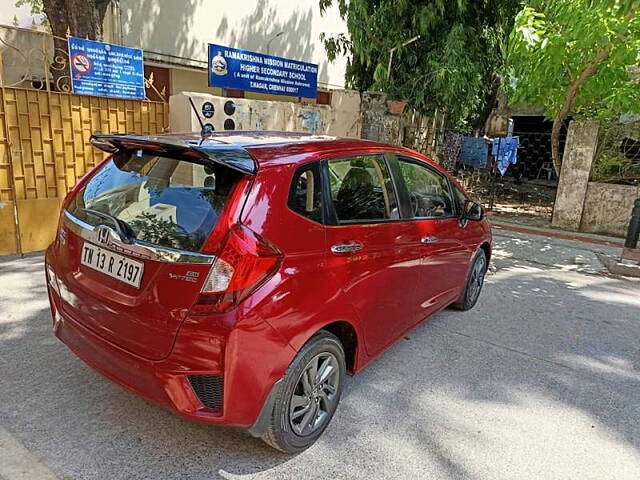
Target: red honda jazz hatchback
column 237, row 279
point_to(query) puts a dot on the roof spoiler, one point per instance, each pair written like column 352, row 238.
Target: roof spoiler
column 231, row 156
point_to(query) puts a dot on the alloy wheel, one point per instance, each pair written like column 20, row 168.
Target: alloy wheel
column 477, row 278
column 315, row 395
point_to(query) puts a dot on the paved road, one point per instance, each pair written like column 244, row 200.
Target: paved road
column 540, row 380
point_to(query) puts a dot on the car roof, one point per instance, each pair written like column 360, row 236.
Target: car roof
column 267, row 147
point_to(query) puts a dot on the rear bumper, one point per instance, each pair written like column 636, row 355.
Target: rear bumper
column 250, row 358
column 142, row 377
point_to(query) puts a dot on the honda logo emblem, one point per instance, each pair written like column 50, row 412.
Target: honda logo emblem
column 103, row 234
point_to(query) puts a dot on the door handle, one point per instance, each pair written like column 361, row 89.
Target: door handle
column 427, row 240
column 346, row 247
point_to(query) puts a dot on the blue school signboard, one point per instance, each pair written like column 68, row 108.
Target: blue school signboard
column 105, row 69
column 255, row 72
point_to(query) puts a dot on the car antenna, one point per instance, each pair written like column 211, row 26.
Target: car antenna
column 204, row 131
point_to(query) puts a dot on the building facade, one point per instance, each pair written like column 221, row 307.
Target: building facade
column 174, row 37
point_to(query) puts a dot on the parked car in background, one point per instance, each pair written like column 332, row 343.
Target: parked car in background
column 235, row 280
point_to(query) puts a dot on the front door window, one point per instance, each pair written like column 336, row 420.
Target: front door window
column 428, row 191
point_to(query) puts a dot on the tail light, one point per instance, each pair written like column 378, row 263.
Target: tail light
column 245, row 262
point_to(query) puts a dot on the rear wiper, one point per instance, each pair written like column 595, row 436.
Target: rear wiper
column 122, row 227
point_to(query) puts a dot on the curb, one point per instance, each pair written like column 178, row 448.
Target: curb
column 616, row 267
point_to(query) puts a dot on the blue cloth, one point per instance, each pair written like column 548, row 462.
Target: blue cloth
column 505, row 150
column 474, row 152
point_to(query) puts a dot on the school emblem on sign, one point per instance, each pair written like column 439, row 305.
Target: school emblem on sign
column 219, row 64
column 81, row 63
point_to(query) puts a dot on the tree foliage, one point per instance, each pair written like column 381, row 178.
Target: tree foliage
column 575, row 56
column 451, row 67
column 35, row 5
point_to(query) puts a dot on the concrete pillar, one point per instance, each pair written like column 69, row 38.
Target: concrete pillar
column 579, row 151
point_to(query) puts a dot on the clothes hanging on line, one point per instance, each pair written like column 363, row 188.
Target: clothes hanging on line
column 505, row 151
column 474, row 152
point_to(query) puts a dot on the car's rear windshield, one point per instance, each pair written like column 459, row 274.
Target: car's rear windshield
column 162, row 200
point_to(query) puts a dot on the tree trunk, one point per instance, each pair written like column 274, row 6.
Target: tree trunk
column 79, row 18
column 82, row 18
column 480, row 122
column 555, row 144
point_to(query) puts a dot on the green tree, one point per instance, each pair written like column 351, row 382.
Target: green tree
column 453, row 65
column 575, row 56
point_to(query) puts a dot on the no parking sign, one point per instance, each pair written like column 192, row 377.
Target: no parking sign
column 106, row 69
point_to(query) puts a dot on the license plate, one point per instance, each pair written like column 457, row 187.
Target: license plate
column 113, row 264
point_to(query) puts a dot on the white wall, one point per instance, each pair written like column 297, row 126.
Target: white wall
column 342, row 118
column 184, row 28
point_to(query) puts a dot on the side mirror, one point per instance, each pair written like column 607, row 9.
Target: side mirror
column 472, row 211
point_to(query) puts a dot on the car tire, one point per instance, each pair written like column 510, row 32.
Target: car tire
column 302, row 410
column 475, row 281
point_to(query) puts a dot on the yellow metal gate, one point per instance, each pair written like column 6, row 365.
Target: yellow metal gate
column 45, row 149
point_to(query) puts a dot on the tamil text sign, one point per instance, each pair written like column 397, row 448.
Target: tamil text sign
column 105, row 69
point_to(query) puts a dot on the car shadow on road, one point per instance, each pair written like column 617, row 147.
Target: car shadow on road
column 543, row 374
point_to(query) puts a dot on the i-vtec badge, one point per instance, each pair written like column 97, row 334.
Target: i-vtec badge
column 187, row 277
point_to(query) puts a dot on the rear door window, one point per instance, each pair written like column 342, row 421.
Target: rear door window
column 361, row 189
column 159, row 200
column 305, row 196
